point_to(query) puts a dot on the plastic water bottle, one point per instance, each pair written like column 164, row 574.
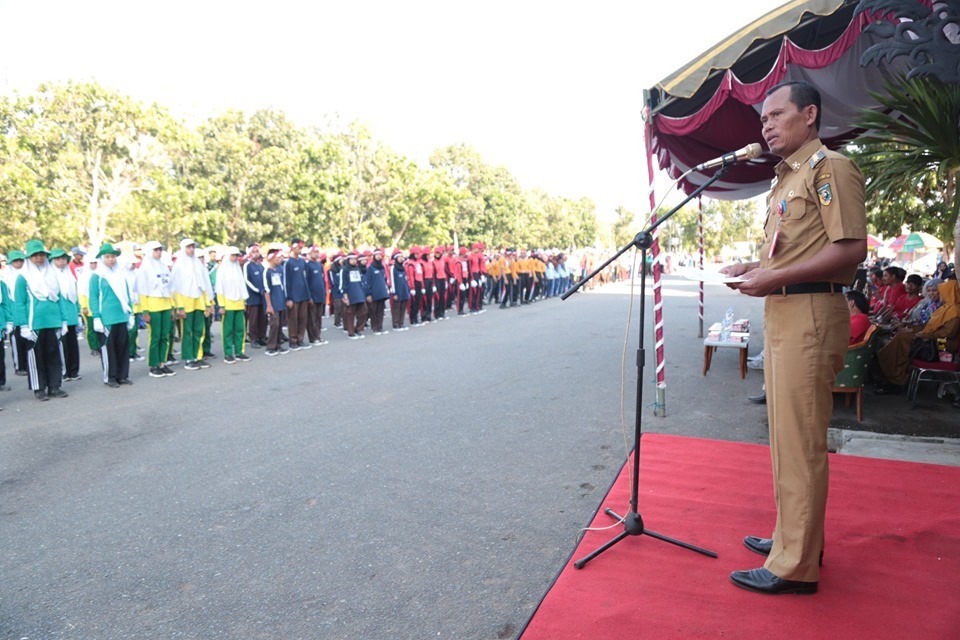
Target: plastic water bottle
column 727, row 324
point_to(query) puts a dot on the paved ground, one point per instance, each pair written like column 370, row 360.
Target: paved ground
column 422, row 484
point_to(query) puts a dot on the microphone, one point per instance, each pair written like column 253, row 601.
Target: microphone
column 749, row 152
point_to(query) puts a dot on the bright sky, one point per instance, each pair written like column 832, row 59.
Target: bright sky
column 551, row 90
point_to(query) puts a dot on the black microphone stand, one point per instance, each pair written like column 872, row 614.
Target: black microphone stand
column 632, row 522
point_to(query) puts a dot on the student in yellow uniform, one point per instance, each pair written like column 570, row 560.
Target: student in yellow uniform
column 152, row 285
column 193, row 297
column 232, row 297
column 83, row 297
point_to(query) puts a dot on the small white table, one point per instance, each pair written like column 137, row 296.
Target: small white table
column 738, row 340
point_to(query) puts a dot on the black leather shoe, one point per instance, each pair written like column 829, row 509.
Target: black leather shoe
column 41, row 395
column 57, row 393
column 762, row 581
column 764, row 545
column 758, row 545
column 760, row 399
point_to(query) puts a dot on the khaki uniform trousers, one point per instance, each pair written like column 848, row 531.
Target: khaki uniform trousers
column 805, row 340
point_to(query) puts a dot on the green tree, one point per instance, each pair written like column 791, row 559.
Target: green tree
column 624, row 226
column 84, row 151
column 911, row 157
column 725, row 222
column 243, row 172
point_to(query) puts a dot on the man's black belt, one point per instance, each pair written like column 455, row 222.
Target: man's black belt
column 810, row 287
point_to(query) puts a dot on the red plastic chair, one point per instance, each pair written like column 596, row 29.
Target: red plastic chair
column 942, row 372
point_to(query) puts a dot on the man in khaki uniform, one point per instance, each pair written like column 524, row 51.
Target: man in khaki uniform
column 815, row 238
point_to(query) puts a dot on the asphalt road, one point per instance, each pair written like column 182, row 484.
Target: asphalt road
column 424, row 484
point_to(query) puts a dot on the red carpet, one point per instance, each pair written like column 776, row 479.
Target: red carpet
column 891, row 567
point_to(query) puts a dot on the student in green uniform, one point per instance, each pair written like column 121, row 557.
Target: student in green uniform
column 83, row 296
column 232, row 295
column 193, row 297
column 6, row 328
column 69, row 346
column 152, row 284
column 112, row 309
column 40, row 313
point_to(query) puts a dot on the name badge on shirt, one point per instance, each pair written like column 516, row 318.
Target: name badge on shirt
column 275, row 280
column 354, row 276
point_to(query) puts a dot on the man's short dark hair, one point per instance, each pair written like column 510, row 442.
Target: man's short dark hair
column 896, row 272
column 859, row 301
column 915, row 280
column 802, row 94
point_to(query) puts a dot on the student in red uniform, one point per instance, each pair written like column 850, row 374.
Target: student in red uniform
column 475, row 295
column 429, row 288
column 439, row 284
column 910, row 298
column 415, row 280
column 458, row 267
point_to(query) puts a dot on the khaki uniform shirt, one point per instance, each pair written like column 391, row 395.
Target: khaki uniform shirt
column 817, row 198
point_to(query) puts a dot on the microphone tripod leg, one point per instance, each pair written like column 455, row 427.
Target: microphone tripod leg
column 582, row 561
column 680, row 543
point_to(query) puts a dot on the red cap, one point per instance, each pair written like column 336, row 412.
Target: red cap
column 414, row 249
column 463, row 251
column 376, row 251
column 323, row 256
column 366, row 253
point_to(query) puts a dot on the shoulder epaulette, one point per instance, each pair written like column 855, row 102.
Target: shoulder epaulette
column 817, row 158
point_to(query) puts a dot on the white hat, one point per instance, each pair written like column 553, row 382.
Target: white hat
column 151, row 245
column 232, row 251
column 186, row 242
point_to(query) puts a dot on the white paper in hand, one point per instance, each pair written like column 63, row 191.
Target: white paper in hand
column 709, row 277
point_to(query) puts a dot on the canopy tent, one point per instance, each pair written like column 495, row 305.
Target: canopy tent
column 711, row 105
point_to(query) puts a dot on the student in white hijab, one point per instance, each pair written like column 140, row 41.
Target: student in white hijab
column 153, row 286
column 112, row 307
column 193, row 297
column 128, row 264
column 69, row 346
column 42, row 317
column 83, row 297
column 232, row 296
column 18, row 346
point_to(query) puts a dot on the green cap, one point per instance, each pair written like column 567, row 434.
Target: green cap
column 35, row 246
column 106, row 248
column 58, row 253
column 15, row 255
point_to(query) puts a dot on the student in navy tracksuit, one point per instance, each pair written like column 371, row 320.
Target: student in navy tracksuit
column 399, row 291
column 256, row 308
column 354, row 300
column 336, row 293
column 298, row 296
column 375, row 289
column 276, row 299
column 317, row 284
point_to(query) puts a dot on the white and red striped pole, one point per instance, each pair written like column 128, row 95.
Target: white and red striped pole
column 660, row 408
column 700, row 243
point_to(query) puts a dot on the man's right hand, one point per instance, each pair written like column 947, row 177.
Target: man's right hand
column 146, row 317
column 738, row 269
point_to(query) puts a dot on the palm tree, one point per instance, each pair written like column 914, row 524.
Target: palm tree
column 913, row 148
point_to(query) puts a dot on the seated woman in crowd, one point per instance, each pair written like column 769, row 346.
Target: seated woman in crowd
column 921, row 313
column 894, row 358
column 859, row 315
